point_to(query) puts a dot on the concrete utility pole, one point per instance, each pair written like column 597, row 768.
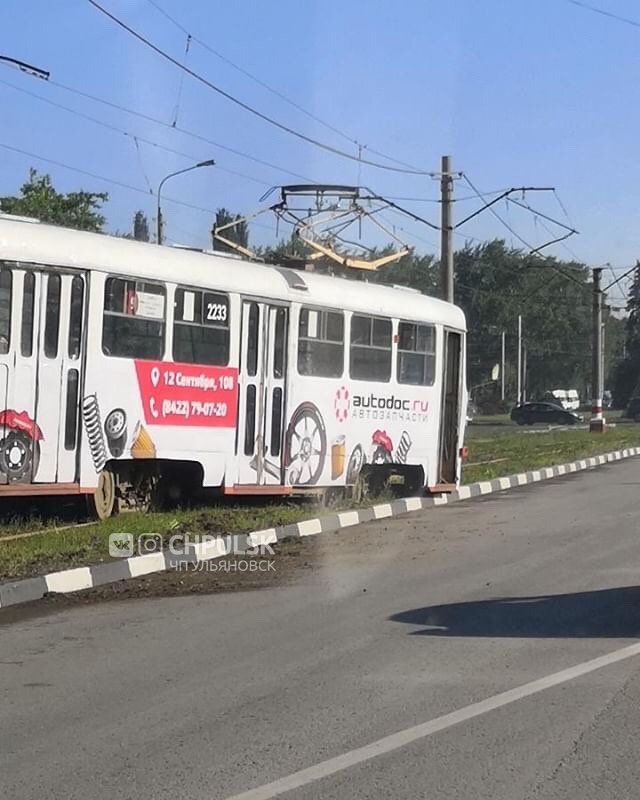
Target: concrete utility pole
column 519, row 388
column 502, row 359
column 603, row 349
column 597, row 422
column 446, row 229
column 524, row 373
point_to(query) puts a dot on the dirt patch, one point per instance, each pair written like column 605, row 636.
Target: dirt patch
column 292, row 559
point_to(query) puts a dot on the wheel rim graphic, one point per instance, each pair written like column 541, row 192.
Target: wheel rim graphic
column 356, row 462
column 115, row 423
column 17, row 460
column 306, row 445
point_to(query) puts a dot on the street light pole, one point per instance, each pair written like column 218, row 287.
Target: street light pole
column 597, row 421
column 209, row 163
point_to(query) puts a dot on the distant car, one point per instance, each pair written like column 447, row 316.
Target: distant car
column 550, row 413
column 633, row 409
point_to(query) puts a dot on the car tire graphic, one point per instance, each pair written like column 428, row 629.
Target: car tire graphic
column 356, row 462
column 305, row 446
column 19, row 457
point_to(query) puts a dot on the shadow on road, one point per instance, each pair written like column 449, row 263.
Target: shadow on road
column 606, row 613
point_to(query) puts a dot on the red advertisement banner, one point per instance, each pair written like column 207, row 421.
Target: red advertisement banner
column 188, row 394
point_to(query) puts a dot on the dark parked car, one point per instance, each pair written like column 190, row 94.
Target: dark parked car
column 552, row 414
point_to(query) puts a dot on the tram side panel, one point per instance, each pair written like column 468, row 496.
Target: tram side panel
column 146, row 397
column 347, row 406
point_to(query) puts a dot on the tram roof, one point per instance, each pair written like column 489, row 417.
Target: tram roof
column 30, row 241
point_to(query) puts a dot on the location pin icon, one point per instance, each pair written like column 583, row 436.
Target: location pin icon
column 155, row 376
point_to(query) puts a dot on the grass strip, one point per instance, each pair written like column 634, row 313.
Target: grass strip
column 500, row 454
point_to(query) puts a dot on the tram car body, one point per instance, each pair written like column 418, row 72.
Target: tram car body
column 124, row 365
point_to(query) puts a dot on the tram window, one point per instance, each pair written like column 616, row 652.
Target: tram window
column 201, row 327
column 276, row 421
column 133, row 323
column 416, row 354
column 250, row 420
column 370, row 351
column 52, row 317
column 5, row 309
column 75, row 316
column 321, row 343
column 28, row 302
column 280, row 337
column 71, row 414
column 252, row 339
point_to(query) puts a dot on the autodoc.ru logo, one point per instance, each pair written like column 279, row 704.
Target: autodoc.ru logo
column 124, row 545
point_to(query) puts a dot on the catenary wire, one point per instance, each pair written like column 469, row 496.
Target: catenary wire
column 245, row 106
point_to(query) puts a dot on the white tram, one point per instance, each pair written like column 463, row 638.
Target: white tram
column 126, row 366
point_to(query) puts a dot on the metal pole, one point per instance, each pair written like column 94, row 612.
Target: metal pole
column 524, row 373
column 519, row 386
column 446, row 229
column 596, row 424
column 502, row 368
column 159, row 222
column 603, row 348
column 209, row 163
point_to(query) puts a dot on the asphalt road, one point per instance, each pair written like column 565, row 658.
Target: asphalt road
column 330, row 687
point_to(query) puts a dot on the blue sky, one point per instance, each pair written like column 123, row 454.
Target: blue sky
column 536, row 92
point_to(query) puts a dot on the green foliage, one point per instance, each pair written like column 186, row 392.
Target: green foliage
column 238, row 233
column 494, row 284
column 627, row 371
column 140, row 227
column 38, row 198
column 417, row 271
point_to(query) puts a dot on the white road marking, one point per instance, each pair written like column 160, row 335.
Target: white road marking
column 383, row 510
column 309, row 527
column 403, row 738
column 69, row 580
column 349, row 518
column 266, row 536
column 413, row 503
column 143, row 565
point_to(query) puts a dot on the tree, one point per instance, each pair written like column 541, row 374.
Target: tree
column 495, row 284
column 627, row 373
column 140, row 227
column 38, row 198
column 238, row 233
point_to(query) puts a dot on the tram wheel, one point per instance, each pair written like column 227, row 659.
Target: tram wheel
column 103, row 503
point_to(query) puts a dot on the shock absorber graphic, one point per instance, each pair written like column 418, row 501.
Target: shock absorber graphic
column 404, row 445
column 93, row 427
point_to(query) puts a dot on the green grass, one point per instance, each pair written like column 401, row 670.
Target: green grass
column 518, row 452
column 63, row 549
column 509, row 452
column 492, row 419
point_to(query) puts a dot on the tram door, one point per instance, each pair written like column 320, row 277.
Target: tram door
column 262, row 382
column 450, row 419
column 40, row 418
